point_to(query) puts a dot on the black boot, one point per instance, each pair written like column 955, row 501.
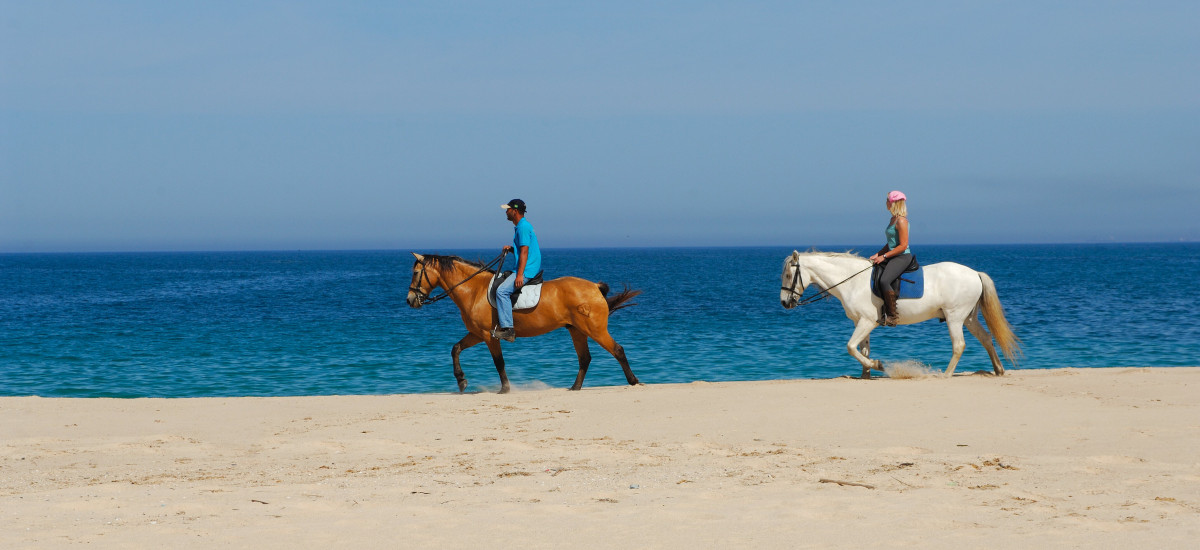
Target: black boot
column 889, row 308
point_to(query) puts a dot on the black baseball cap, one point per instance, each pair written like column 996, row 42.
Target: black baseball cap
column 517, row 204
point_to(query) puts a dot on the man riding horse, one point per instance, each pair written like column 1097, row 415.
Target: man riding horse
column 581, row 306
column 529, row 266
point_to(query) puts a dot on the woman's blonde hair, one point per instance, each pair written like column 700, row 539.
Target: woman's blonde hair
column 898, row 208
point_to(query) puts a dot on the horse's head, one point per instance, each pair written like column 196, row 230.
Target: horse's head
column 425, row 276
column 793, row 281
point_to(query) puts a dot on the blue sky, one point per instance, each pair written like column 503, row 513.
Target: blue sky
column 403, row 125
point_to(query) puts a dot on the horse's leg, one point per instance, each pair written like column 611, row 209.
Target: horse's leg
column 498, row 358
column 585, row 355
column 957, row 342
column 467, row 341
column 862, row 331
column 606, row 341
column 984, row 338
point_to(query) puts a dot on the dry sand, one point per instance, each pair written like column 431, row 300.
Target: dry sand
column 1095, row 458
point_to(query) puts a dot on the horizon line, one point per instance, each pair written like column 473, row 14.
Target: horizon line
column 631, row 247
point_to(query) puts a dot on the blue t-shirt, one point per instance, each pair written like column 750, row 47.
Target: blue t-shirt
column 523, row 235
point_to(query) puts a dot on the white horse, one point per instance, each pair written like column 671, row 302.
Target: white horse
column 953, row 293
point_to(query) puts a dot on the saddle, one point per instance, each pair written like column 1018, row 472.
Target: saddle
column 910, row 284
column 526, row 297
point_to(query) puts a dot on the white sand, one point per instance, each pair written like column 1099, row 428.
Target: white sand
column 1097, row 458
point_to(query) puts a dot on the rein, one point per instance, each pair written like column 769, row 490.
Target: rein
column 823, row 294
column 425, row 299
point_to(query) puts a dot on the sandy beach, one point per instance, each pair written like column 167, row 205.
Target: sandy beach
column 1095, row 458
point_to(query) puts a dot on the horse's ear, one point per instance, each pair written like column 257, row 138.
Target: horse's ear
column 419, row 257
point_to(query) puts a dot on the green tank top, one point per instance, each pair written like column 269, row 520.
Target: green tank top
column 893, row 238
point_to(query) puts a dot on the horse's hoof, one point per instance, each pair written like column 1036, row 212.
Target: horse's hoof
column 503, row 390
column 575, row 388
column 462, row 386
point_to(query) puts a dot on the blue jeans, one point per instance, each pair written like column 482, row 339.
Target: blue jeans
column 504, row 294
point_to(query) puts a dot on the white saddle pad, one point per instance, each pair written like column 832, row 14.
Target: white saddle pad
column 527, row 299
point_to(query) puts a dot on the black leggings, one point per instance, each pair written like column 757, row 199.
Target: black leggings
column 892, row 269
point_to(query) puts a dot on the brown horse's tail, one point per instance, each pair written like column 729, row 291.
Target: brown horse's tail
column 621, row 300
column 993, row 313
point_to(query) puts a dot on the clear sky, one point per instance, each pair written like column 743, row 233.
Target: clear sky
column 149, row 125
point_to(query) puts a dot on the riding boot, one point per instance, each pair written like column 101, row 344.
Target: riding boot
column 890, row 316
column 508, row 334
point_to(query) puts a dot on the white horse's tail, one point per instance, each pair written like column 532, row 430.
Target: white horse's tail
column 993, row 313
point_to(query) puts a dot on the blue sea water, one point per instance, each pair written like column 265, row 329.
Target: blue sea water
column 325, row 323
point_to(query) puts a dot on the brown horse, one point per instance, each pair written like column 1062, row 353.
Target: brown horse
column 578, row 304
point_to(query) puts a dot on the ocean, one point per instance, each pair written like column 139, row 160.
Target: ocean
column 225, row 324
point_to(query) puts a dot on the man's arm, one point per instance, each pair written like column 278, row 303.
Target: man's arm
column 522, row 257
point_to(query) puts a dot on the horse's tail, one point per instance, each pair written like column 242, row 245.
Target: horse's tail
column 993, row 313
column 621, row 300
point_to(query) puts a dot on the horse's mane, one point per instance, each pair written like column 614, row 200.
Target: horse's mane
column 815, row 252
column 446, row 263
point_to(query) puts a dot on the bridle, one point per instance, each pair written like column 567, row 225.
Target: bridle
column 424, row 298
column 823, row 294
column 796, row 278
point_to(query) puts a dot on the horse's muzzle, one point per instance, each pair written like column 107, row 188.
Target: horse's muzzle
column 414, row 300
column 789, row 300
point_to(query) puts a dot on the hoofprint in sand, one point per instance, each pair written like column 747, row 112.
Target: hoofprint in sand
column 1048, row 458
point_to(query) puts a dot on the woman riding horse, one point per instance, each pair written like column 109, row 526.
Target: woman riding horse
column 953, row 293
column 895, row 257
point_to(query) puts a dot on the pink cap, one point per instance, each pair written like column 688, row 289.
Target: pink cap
column 896, row 196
